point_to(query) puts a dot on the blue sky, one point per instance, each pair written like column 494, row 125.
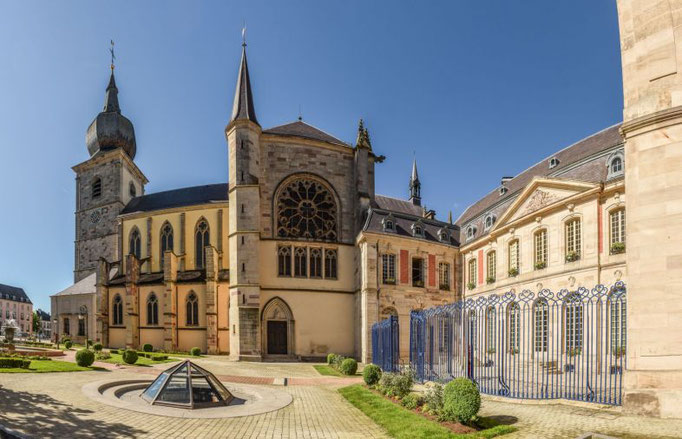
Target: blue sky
column 475, row 89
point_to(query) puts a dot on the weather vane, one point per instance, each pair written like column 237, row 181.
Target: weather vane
column 244, row 34
column 113, row 57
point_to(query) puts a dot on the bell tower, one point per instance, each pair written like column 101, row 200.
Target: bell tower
column 104, row 185
column 243, row 139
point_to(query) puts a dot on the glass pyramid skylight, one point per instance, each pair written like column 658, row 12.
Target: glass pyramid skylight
column 189, row 386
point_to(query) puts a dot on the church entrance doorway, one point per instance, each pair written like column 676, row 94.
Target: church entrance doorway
column 277, row 337
column 277, row 326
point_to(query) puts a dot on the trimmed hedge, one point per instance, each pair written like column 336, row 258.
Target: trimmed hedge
column 129, row 356
column 461, row 400
column 147, row 347
column 19, row 363
column 85, row 357
column 68, row 344
column 348, row 366
column 159, row 357
column 97, row 347
column 195, row 351
column 371, row 374
column 331, row 359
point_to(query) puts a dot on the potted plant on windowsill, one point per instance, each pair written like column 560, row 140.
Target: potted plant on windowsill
column 490, row 280
column 540, row 265
column 513, row 272
column 471, row 285
column 572, row 256
column 617, row 248
column 389, row 281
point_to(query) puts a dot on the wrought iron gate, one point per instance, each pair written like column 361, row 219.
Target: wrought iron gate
column 386, row 344
column 568, row 345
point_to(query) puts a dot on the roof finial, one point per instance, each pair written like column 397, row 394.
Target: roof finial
column 415, row 185
column 113, row 57
column 362, row 140
column 300, row 114
column 244, row 34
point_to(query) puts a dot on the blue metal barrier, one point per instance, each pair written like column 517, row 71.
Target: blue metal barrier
column 386, row 344
column 569, row 345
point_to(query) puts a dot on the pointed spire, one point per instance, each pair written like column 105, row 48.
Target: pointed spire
column 243, row 98
column 362, row 140
column 111, row 98
column 415, row 186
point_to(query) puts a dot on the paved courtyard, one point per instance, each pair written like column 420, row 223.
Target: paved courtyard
column 53, row 405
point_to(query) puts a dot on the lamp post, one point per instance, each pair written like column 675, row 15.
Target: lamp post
column 55, row 324
column 83, row 314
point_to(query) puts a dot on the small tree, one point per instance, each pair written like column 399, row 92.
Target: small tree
column 37, row 326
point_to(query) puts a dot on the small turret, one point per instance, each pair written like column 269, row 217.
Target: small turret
column 415, row 186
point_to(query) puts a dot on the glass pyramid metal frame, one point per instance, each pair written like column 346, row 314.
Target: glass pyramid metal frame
column 189, row 386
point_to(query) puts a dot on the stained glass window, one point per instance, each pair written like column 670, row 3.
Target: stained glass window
column 306, row 209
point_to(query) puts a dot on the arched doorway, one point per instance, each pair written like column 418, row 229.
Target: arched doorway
column 277, row 325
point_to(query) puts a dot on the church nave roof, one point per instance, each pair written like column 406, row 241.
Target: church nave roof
column 304, row 130
column 188, row 196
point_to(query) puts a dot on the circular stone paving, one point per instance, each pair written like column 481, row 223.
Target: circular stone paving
column 249, row 400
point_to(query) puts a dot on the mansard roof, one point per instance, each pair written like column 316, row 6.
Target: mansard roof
column 581, row 161
column 16, row 294
column 403, row 225
column 188, row 196
column 43, row 315
column 397, row 205
column 304, row 130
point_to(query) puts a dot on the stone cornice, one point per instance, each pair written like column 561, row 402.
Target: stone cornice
column 649, row 122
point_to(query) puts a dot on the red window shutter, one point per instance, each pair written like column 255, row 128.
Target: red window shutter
column 480, row 267
column 432, row 270
column 404, row 256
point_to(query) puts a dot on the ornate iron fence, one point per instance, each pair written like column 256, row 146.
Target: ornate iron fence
column 568, row 345
column 386, row 344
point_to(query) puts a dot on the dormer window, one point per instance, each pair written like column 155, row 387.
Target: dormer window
column 615, row 165
column 443, row 235
column 389, row 224
column 489, row 221
column 471, row 231
column 553, row 162
column 418, row 230
column 503, row 190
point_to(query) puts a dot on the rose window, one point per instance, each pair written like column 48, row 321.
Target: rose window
column 306, row 209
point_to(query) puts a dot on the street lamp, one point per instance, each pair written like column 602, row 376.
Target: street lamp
column 83, row 314
column 55, row 324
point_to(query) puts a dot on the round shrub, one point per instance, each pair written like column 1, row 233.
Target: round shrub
column 195, row 351
column 461, row 400
column 371, row 374
column 331, row 358
column 147, row 347
column 85, row 357
column 68, row 344
column 412, row 400
column 97, row 347
column 348, row 367
column 129, row 356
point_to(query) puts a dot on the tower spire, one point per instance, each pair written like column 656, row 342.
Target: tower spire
column 243, row 98
column 415, row 185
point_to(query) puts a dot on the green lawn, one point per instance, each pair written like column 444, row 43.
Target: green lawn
column 141, row 361
column 41, row 366
column 405, row 424
column 327, row 370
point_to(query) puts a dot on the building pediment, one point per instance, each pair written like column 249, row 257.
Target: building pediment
column 539, row 194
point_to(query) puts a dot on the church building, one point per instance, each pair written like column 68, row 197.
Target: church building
column 294, row 257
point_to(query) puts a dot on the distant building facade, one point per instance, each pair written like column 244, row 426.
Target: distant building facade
column 15, row 305
column 45, row 324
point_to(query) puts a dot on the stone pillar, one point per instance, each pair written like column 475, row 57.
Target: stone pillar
column 101, row 309
column 131, row 317
column 369, row 306
column 244, row 239
column 211, row 300
column 651, row 46
column 170, row 299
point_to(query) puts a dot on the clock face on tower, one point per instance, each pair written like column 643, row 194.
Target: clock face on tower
column 95, row 216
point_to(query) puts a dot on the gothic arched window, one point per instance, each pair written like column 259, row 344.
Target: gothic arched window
column 152, row 310
column 135, row 244
column 202, row 239
column 192, row 310
column 166, row 241
column 306, row 209
column 117, row 310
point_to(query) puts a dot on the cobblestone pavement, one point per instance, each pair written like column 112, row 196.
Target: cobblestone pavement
column 53, row 405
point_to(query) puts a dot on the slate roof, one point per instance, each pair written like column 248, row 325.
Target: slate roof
column 397, row 205
column 403, row 226
column 16, row 294
column 43, row 315
column 242, row 107
column 304, row 130
column 574, row 164
column 188, row 196
column 83, row 286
